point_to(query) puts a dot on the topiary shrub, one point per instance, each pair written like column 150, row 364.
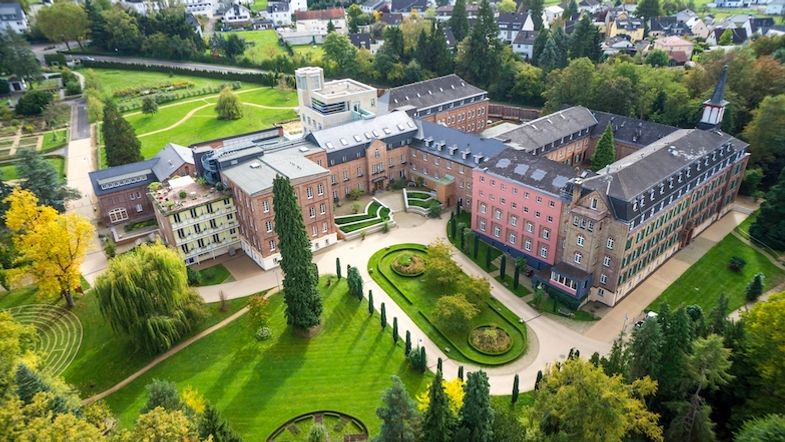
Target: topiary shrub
column 408, row 264
column 263, row 333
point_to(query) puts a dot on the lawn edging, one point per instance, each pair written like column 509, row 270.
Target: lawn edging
column 415, row 204
column 375, row 223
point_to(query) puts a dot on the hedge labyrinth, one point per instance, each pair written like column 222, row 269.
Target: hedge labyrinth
column 59, row 334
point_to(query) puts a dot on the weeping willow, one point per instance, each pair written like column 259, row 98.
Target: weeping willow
column 144, row 295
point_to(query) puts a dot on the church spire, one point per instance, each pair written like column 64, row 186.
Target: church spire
column 714, row 108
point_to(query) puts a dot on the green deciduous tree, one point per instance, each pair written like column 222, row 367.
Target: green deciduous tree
column 33, row 102
column 438, row 419
column 149, row 106
column 162, row 425
column 122, row 145
column 122, row 31
column 657, row 58
column 303, row 303
column 574, row 395
column 475, row 420
column 764, row 325
column 726, row 38
column 647, row 9
column 16, row 57
column 144, row 294
column 765, row 131
column 340, row 55
column 400, row 420
column 63, row 22
column 605, row 152
column 506, row 6
column 769, row 226
column 454, row 312
column 228, row 106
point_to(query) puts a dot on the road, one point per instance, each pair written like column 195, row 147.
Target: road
column 80, row 125
column 168, row 64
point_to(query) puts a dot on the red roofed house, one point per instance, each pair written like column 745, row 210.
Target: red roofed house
column 316, row 21
column 678, row 49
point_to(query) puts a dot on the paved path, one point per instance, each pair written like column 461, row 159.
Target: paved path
column 164, row 356
column 550, row 340
column 80, row 160
column 623, row 315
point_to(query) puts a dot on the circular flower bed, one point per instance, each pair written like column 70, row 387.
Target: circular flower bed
column 490, row 339
column 338, row 427
column 409, row 264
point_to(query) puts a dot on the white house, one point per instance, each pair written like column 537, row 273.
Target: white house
column 551, row 13
column 511, row 23
column 317, row 21
column 13, row 17
column 237, row 15
column 775, row 7
column 278, row 13
column 523, row 44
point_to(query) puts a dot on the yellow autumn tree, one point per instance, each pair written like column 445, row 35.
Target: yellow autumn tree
column 51, row 246
column 454, row 390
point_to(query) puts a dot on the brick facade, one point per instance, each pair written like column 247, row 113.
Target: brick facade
column 470, row 117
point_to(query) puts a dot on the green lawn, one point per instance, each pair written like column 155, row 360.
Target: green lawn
column 370, row 212
column 54, row 140
column 705, row 280
column 263, row 44
column 744, row 227
column 213, row 275
column 384, row 215
column 260, row 385
column 483, row 248
column 259, row 5
column 411, row 294
column 314, row 52
column 8, row 171
column 115, row 79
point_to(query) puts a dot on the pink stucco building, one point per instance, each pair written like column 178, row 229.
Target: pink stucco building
column 518, row 204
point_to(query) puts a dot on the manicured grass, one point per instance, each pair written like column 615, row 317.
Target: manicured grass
column 115, row 79
column 370, row 212
column 55, row 139
column 130, row 227
column 483, row 248
column 384, row 216
column 508, row 281
column 258, row 386
column 214, row 275
column 411, row 194
column 8, row 170
column 259, row 5
column 313, row 52
column 423, row 203
column 415, row 298
column 264, row 44
column 704, row 282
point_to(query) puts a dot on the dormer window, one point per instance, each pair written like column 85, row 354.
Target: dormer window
column 670, row 183
column 662, row 188
column 593, row 203
column 651, row 195
column 635, row 206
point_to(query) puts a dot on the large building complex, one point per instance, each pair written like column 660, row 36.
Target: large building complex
column 586, row 235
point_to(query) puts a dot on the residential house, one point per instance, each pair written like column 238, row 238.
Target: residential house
column 261, row 24
column 551, row 13
column 668, row 25
column 619, row 44
column 590, row 6
column 317, row 21
column 298, row 5
column 191, row 19
column 738, row 36
column 450, row 37
column 443, row 13
column 201, row 7
column 278, row 13
column 621, row 22
column 407, row 6
column 775, row 7
column 776, row 31
column 678, row 49
column 447, row 100
column 731, row 3
column 237, row 15
column 370, row 6
column 13, row 18
column 511, row 23
column 361, row 40
column 758, row 25
column 523, row 44
column 391, row 19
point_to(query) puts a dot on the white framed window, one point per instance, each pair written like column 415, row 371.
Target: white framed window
column 543, row 252
column 322, row 208
column 139, row 208
column 118, row 214
column 324, row 227
column 512, row 238
column 265, row 206
column 610, row 243
column 603, row 279
column 497, row 214
column 314, row 230
column 312, row 212
column 482, row 225
column 309, row 192
column 593, row 203
column 546, row 233
column 271, row 244
column 606, row 261
column 527, row 245
column 513, row 220
column 580, row 240
column 497, row 231
column 578, row 258
column 320, row 189
column 268, row 225
column 483, row 208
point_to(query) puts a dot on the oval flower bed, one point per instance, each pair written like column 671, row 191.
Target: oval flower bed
column 490, row 339
column 409, row 265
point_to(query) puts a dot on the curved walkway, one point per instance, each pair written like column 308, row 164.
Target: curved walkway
column 206, row 97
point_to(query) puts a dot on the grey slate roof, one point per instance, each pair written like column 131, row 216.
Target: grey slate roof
column 430, row 93
column 361, row 40
column 630, row 130
column 362, row 132
column 159, row 168
column 525, row 38
column 681, row 158
column 11, row 12
column 511, row 21
column 738, row 35
column 450, row 37
column 534, row 171
column 392, row 18
column 454, row 144
column 408, row 5
column 552, row 128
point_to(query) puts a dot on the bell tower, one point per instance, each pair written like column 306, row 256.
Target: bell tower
column 714, row 108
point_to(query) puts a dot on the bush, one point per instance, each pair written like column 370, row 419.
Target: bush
column 435, row 210
column 263, row 333
column 415, row 358
column 73, row 88
column 194, row 277
column 33, row 102
column 110, row 248
column 355, row 194
column 737, row 264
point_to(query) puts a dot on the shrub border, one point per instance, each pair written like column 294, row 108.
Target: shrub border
column 485, row 352
column 408, row 275
column 300, row 417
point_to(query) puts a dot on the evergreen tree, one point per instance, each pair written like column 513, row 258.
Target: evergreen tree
column 718, row 314
column 303, row 303
column 479, row 61
column 539, row 45
column 438, row 419
column 400, row 420
column 338, row 267
column 423, row 359
column 330, row 26
column 164, row 394
column 536, row 10
column 515, row 391
column 422, row 51
column 646, row 350
column 407, row 348
column 548, row 59
column 355, row 282
column 395, row 330
column 228, row 105
column 571, row 11
column 677, row 342
column 460, row 372
column 370, row 302
column 605, row 152
column 38, row 176
column 538, row 380
column 383, row 316
column 586, row 40
column 441, row 57
column 29, row 383
column 213, row 424
column 755, row 287
column 122, row 146
column 459, row 21
column 475, row 421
